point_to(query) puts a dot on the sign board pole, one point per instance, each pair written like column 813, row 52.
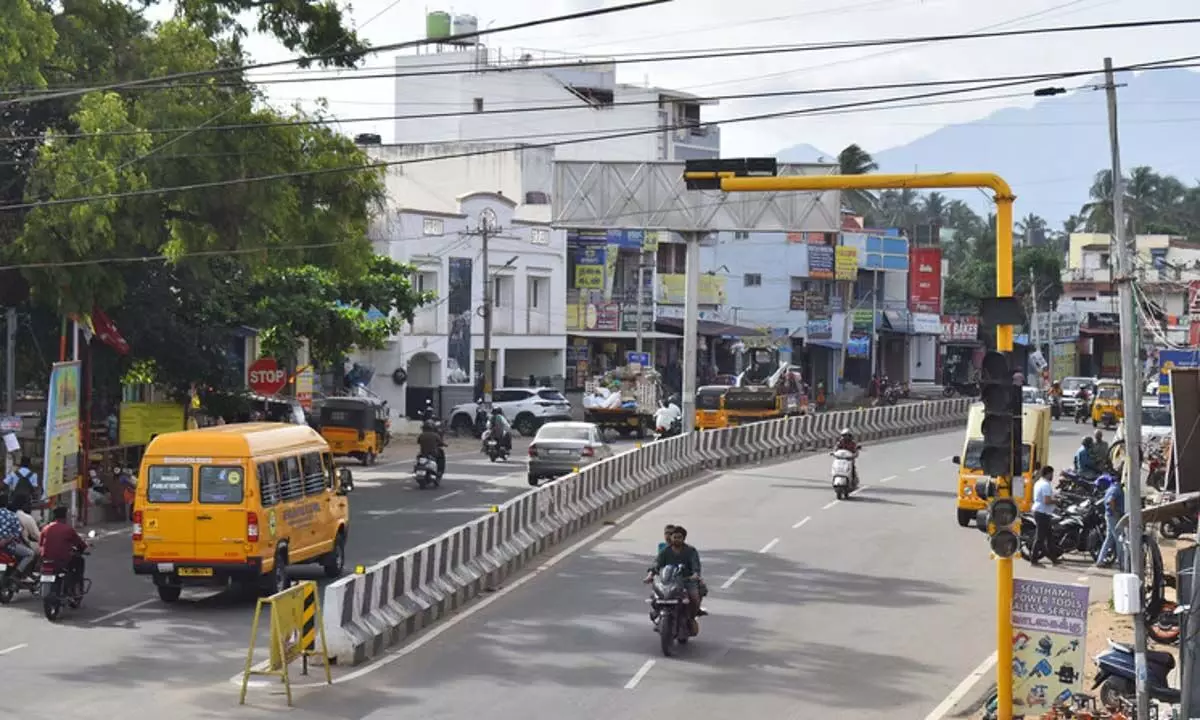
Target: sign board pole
column 10, row 375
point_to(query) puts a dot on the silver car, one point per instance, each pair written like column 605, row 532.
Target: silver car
column 561, row 447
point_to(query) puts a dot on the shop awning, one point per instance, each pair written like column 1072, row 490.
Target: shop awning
column 707, row 328
column 896, row 321
column 827, row 344
column 620, row 335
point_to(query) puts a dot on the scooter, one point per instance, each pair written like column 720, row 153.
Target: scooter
column 845, row 479
column 62, row 588
column 494, row 449
column 12, row 582
column 425, row 472
column 675, row 428
column 1116, row 673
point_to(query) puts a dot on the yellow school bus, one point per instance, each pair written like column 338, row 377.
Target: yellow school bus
column 237, row 504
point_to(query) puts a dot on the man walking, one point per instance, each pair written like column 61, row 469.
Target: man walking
column 23, row 481
column 1114, row 510
column 1043, row 515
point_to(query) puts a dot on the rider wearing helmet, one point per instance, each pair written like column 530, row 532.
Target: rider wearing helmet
column 499, row 429
column 846, row 441
column 1085, row 459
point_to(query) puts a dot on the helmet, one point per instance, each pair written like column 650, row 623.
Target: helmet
column 845, row 432
column 497, row 411
column 1104, row 481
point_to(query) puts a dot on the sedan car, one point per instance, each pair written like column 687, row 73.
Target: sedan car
column 559, row 448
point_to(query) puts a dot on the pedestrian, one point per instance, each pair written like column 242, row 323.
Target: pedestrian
column 23, row 480
column 1114, row 510
column 1043, row 516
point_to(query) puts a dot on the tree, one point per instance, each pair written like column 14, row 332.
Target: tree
column 853, row 160
column 1032, row 229
column 933, row 207
column 1097, row 212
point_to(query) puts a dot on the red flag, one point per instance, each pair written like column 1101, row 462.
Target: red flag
column 107, row 332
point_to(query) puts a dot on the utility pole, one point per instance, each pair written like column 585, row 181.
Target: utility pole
column 487, row 226
column 847, row 322
column 10, row 375
column 641, row 287
column 1033, row 324
column 1131, row 386
column 691, row 322
column 874, row 320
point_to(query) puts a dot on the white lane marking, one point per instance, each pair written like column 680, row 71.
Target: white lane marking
column 733, row 578
column 444, row 625
column 859, row 489
column 14, row 648
column 122, row 611
column 641, row 673
column 948, row 458
column 801, row 523
column 768, row 546
column 964, row 687
column 830, row 504
column 888, row 478
column 917, row 468
column 450, row 494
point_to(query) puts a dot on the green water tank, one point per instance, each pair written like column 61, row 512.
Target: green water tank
column 437, row 25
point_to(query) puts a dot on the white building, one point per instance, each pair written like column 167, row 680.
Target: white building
column 441, row 351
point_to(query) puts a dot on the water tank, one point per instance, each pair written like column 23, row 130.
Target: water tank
column 368, row 139
column 464, row 28
column 437, row 25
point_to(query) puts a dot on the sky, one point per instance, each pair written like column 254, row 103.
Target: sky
column 707, row 24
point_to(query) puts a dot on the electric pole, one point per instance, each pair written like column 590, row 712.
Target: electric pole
column 1131, row 387
column 487, row 226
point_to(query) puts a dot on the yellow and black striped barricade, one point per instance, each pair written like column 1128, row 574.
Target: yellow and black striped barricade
column 295, row 626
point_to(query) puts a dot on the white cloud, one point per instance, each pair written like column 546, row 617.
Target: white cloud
column 696, row 24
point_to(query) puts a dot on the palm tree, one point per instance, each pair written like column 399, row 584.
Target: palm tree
column 1032, row 229
column 1098, row 211
column 934, row 207
column 1142, row 190
column 853, row 160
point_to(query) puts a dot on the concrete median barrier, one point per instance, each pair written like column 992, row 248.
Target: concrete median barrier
column 366, row 613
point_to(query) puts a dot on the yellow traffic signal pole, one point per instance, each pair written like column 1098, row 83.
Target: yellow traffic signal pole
column 1004, row 333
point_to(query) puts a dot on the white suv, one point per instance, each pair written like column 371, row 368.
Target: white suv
column 526, row 408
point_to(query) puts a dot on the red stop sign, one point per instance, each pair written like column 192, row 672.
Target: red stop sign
column 266, row 377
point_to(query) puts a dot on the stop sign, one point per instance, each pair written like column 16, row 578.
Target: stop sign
column 266, row 377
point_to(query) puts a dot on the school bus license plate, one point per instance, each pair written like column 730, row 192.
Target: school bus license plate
column 195, row 572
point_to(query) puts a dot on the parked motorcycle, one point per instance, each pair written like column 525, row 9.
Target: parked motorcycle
column 12, row 582
column 960, row 388
column 845, row 480
column 1078, row 528
column 891, row 395
column 425, row 472
column 62, row 586
column 1116, row 673
column 670, row 608
column 1172, row 528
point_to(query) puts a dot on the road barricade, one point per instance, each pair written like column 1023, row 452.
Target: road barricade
column 372, row 611
column 297, row 633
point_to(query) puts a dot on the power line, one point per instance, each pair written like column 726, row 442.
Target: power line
column 491, row 151
column 1176, row 63
column 323, row 57
column 644, row 58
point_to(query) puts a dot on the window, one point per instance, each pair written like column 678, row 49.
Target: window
column 535, row 293
column 501, row 291
column 539, row 236
column 222, row 485
column 551, row 395
column 315, row 481
column 741, row 235
column 432, row 226
column 268, row 483
column 426, row 281
column 556, row 431
column 329, row 469
column 507, row 396
column 752, row 280
column 478, row 104
column 291, row 482
column 169, row 484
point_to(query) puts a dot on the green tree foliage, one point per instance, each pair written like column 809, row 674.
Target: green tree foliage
column 176, row 271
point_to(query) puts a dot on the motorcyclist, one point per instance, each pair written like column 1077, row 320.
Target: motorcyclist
column 62, row 547
column 427, row 413
column 1056, row 395
column 667, row 415
column 12, row 539
column 22, row 506
column 1083, row 403
column 846, row 442
column 500, row 429
column 1085, row 459
column 431, row 445
column 680, row 553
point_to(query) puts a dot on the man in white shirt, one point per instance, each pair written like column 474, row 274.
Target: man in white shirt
column 1043, row 515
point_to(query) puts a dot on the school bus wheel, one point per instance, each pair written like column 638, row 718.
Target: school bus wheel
column 335, row 561
column 169, row 593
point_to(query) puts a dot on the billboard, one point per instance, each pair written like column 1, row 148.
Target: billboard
column 820, row 262
column 61, row 460
column 925, row 279
column 845, row 263
column 672, row 289
column 458, row 307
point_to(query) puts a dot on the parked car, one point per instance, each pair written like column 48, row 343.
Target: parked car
column 526, row 408
column 561, row 447
column 1031, row 395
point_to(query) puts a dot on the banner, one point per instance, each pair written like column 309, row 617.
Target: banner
column 138, row 422
column 590, row 266
column 611, row 254
column 304, row 387
column 820, row 262
column 960, row 328
column 864, row 320
column 1049, row 632
column 1063, row 361
column 672, row 287
column 820, row 327
column 458, row 307
column 925, row 279
column 1168, row 360
column 845, row 263
column 61, row 460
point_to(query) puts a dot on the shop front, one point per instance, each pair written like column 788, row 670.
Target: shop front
column 923, row 347
column 895, row 333
column 961, row 350
column 1099, row 345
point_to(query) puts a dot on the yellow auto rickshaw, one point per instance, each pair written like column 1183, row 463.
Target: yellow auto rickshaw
column 710, row 407
column 355, row 427
column 1108, row 408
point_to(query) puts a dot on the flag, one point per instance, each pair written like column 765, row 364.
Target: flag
column 84, row 322
column 107, row 332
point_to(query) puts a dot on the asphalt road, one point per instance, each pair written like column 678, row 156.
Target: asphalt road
column 880, row 604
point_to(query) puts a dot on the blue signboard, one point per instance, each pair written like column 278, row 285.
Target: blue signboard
column 640, row 358
column 1168, row 359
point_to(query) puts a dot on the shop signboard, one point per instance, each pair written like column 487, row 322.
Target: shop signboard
column 926, row 324
column 61, row 459
column 859, row 347
column 845, row 263
column 820, row 262
column 590, row 266
column 925, row 279
column 820, row 327
column 864, row 320
column 1173, row 359
column 1049, row 622
column 672, row 289
column 959, row 328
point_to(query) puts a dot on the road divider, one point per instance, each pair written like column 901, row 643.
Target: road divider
column 366, row 613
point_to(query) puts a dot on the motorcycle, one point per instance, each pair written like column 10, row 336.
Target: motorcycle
column 961, row 388
column 670, row 608
column 1116, row 673
column 1172, row 528
column 845, row 480
column 1079, row 528
column 425, row 472
column 1083, row 411
column 61, row 586
column 12, row 582
column 494, row 449
column 891, row 395
column 1056, row 408
column 676, row 427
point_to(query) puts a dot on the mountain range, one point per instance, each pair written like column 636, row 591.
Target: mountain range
column 1050, row 152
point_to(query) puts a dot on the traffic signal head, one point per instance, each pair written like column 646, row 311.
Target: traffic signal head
column 997, row 395
column 1004, row 527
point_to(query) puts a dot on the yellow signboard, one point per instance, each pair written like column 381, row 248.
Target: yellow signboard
column 845, row 263
column 650, row 241
column 138, row 422
column 61, row 459
column 672, row 289
column 589, row 277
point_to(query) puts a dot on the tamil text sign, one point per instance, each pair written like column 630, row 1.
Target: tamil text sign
column 925, row 280
column 62, row 429
column 845, row 263
column 1049, row 629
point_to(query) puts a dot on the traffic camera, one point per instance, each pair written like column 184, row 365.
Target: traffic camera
column 1001, row 520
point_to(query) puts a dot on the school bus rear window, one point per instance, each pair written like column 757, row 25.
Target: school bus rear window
column 169, row 484
column 222, row 485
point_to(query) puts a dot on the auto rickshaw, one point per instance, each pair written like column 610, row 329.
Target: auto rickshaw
column 710, row 407
column 355, row 427
column 1107, row 406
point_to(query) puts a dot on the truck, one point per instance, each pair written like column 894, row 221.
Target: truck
column 769, row 388
column 1035, row 454
column 623, row 400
